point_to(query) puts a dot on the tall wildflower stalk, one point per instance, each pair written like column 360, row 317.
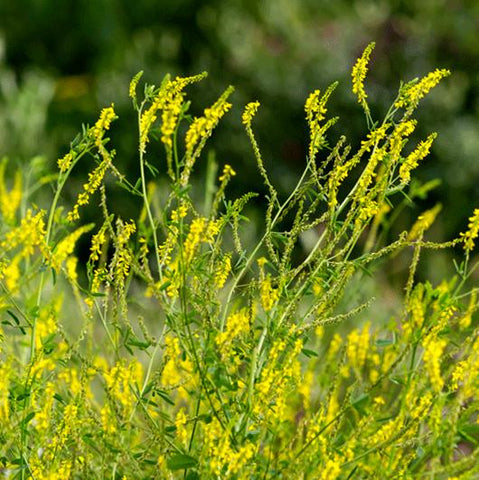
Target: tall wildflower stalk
column 181, row 349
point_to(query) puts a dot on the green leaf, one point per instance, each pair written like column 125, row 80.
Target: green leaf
column 181, row 462
column 164, row 396
column 385, row 342
column 360, row 402
column 27, row 419
column 17, row 321
column 309, row 353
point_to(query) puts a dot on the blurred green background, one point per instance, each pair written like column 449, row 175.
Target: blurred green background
column 62, row 61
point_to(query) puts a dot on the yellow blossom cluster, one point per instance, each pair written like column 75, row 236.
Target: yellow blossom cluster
column 120, row 381
column 200, row 231
column 465, row 375
column 359, row 72
column 222, row 270
column 181, row 421
column 358, row 347
column 65, row 247
column 65, row 162
column 95, row 179
column 433, row 354
column 42, row 417
column 202, row 127
column 30, row 234
column 331, row 469
column 5, row 373
column 10, row 199
column 107, row 116
column 165, row 249
column 315, row 108
column 228, row 172
column 424, row 222
column 340, row 172
column 269, row 295
column 413, row 92
column 168, row 99
column 280, row 372
column 97, row 242
column 133, row 85
column 412, row 160
column 123, row 256
column 236, row 324
column 470, row 236
column 249, row 112
column 415, row 308
column 177, row 371
column 193, row 238
column 219, row 452
column 398, row 136
column 46, row 324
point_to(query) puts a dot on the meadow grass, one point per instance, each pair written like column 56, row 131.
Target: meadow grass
column 177, row 349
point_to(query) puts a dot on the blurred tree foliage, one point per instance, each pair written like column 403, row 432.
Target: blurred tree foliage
column 62, row 61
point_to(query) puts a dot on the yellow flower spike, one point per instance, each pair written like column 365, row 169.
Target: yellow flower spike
column 413, row 92
column 222, row 271
column 10, row 200
column 411, row 162
column 107, row 116
column 31, row 233
column 358, row 75
column 249, row 112
column 236, row 324
column 400, row 133
column 65, row 247
column 65, row 162
column 181, row 421
column 168, row 99
column 269, row 294
column 228, row 172
column 95, row 178
column 433, row 353
column 473, row 231
column 133, row 85
column 193, row 238
column 424, row 222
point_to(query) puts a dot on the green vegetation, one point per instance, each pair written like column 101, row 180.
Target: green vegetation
column 182, row 348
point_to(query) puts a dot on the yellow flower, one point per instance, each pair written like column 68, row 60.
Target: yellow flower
column 472, row 232
column 236, row 324
column 433, row 350
column 107, row 115
column 193, row 238
column 168, row 99
column 181, row 421
column 358, row 346
column 95, row 179
column 269, row 295
column 414, row 91
column 65, row 162
column 424, row 222
column 65, row 247
column 10, row 200
column 202, row 127
column 331, row 469
column 227, row 173
column 249, row 112
column 31, row 233
column 133, row 84
column 401, row 131
column 359, row 72
column 411, row 162
column 222, row 271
